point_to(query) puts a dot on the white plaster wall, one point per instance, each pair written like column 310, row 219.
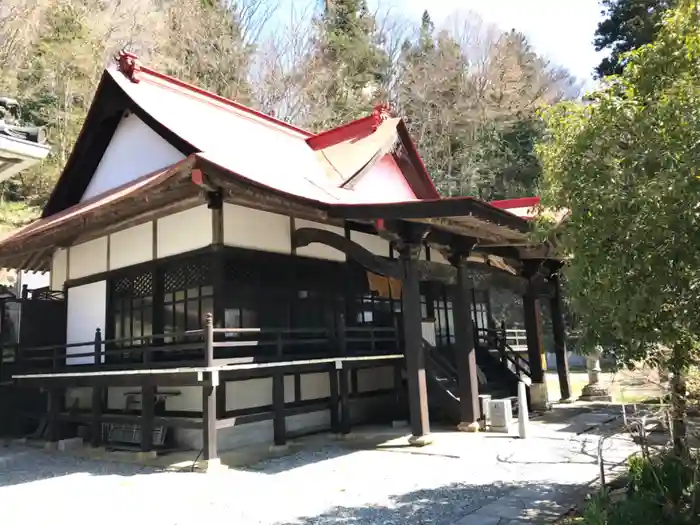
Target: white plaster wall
column 86, row 307
column 371, row 379
column 315, row 386
column 184, row 231
column 135, row 150
column 256, row 229
column 288, row 389
column 249, row 393
column 59, row 269
column 131, row 246
column 116, row 396
column 251, row 434
column 88, row 258
column 320, row 251
column 373, row 243
column 189, row 400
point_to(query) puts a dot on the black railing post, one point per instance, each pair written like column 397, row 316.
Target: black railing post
column 278, row 414
column 98, row 347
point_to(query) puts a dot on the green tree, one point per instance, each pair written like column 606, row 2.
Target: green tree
column 202, row 43
column 56, row 84
column 473, row 109
column 347, row 69
column 628, row 25
column 626, row 166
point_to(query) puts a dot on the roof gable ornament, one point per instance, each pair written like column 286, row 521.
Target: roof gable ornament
column 129, row 65
column 380, row 113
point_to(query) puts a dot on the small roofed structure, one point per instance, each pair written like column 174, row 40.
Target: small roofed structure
column 20, row 146
column 285, row 282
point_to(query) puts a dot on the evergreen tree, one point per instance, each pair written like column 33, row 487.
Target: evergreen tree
column 348, row 67
column 203, row 44
column 628, row 25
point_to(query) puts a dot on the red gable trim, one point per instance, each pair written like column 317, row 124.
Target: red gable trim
column 359, row 128
column 523, row 202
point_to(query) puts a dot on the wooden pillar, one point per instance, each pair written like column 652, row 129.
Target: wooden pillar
column 533, row 334
column 413, row 346
column 209, row 445
column 465, row 352
column 209, row 395
column 96, row 416
column 54, row 408
column 97, row 394
column 559, row 333
column 279, row 423
column 148, row 414
column 343, row 378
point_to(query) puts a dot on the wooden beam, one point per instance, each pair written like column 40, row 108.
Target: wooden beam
column 474, row 209
column 374, row 263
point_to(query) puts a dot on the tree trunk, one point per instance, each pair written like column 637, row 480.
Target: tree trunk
column 678, row 405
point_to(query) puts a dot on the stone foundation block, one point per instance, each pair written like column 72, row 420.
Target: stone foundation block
column 66, row 445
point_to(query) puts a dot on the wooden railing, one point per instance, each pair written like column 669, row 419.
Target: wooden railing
column 499, row 340
column 208, row 347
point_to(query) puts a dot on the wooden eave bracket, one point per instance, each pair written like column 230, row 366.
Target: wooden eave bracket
column 376, row 264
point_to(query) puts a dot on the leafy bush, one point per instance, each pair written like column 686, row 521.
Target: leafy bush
column 663, row 490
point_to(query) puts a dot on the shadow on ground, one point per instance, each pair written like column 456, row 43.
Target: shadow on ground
column 20, row 465
column 449, row 504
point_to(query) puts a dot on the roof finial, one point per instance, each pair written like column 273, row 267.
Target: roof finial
column 128, row 64
column 380, row 113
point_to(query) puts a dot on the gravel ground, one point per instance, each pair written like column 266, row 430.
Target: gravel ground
column 326, row 485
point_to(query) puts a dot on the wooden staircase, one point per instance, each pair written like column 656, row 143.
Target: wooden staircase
column 499, row 369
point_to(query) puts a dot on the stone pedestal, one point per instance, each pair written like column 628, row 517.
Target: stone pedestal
column 594, row 390
column 469, row 427
column 539, row 397
column 420, row 441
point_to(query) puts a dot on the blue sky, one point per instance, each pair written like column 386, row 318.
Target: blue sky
column 562, row 30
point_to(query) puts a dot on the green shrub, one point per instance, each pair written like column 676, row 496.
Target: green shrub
column 663, row 490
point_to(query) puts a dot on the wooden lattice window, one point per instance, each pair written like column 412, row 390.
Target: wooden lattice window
column 188, row 296
column 132, row 311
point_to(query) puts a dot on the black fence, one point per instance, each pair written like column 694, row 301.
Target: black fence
column 208, row 347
